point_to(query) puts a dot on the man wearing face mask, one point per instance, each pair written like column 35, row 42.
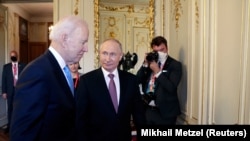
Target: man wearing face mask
column 10, row 74
column 159, row 77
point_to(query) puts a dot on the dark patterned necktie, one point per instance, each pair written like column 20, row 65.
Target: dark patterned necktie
column 159, row 64
column 112, row 91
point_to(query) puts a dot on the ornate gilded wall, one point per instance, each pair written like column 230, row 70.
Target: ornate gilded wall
column 131, row 24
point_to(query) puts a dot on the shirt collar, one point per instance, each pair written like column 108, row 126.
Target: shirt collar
column 106, row 73
column 163, row 62
column 13, row 63
column 58, row 57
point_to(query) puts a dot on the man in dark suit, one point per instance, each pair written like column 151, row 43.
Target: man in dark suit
column 10, row 74
column 159, row 77
column 44, row 104
column 99, row 119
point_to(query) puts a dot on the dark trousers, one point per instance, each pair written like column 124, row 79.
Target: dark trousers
column 9, row 109
column 153, row 117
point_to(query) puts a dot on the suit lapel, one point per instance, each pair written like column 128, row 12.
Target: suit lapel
column 165, row 68
column 19, row 68
column 59, row 74
column 167, row 63
column 10, row 71
column 123, row 87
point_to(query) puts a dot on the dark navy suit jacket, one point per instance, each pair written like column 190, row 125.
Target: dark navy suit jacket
column 44, row 108
column 97, row 118
column 8, row 86
column 8, row 79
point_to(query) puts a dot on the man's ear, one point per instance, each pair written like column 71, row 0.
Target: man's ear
column 63, row 39
column 121, row 56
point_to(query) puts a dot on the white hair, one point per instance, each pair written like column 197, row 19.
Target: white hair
column 65, row 26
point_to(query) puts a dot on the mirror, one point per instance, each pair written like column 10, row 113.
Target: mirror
column 129, row 21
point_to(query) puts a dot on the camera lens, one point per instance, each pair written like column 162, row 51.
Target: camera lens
column 152, row 56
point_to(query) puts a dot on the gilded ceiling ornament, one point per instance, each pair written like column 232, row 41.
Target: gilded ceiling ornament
column 76, row 7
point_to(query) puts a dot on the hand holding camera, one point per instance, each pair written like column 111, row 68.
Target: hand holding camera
column 147, row 98
column 152, row 56
column 152, row 59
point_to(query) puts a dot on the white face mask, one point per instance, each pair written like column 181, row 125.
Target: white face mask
column 162, row 56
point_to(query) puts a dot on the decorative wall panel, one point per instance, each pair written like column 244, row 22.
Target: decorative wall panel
column 125, row 22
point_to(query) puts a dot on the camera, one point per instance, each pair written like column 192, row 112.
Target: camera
column 148, row 97
column 152, row 56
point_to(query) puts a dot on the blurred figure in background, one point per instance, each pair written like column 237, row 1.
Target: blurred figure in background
column 10, row 74
column 74, row 69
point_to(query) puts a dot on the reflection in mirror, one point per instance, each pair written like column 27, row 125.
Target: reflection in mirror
column 129, row 21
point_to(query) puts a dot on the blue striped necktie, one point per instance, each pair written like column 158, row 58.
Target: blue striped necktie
column 69, row 78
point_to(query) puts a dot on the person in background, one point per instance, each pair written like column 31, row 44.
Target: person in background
column 102, row 116
column 10, row 74
column 74, row 69
column 159, row 77
column 44, row 104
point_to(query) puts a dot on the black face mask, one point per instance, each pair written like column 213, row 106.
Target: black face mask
column 13, row 58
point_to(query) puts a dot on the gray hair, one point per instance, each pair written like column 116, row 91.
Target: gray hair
column 113, row 40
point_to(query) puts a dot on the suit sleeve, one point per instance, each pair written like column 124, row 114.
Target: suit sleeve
column 139, row 111
column 30, row 102
column 4, row 80
column 81, row 110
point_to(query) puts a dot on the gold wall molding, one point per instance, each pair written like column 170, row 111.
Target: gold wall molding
column 111, row 29
column 76, row 7
column 177, row 12
column 112, row 21
column 143, row 22
column 151, row 20
column 96, row 32
column 197, row 15
column 128, row 8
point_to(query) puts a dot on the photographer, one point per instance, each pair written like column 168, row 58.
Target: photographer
column 159, row 77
